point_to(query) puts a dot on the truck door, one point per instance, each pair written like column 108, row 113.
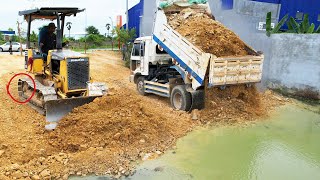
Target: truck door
column 142, row 52
column 137, row 57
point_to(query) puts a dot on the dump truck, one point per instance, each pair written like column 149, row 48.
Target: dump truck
column 169, row 65
column 62, row 77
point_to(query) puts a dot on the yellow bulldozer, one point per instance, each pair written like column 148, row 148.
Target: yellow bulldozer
column 62, row 77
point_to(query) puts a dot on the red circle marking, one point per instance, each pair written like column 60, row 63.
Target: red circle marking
column 34, row 88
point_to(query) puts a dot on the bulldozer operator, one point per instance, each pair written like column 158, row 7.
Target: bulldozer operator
column 47, row 39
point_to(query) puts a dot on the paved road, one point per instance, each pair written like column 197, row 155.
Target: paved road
column 15, row 53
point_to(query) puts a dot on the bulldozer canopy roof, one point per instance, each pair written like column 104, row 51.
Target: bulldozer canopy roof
column 49, row 12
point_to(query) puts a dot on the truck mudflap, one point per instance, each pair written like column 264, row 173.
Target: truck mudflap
column 198, row 100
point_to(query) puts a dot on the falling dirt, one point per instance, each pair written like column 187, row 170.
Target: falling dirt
column 113, row 133
column 207, row 34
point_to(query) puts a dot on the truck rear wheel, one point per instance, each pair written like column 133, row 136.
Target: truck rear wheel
column 180, row 98
column 140, row 86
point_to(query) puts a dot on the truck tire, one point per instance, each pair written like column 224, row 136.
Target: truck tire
column 180, row 98
column 140, row 85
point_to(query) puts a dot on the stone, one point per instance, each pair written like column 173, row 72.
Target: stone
column 1, row 152
column 42, row 152
column 59, row 159
column 41, row 159
column 158, row 152
column 25, row 174
column 100, row 148
column 127, row 173
column 65, row 177
column 117, row 136
column 35, row 177
column 121, row 168
column 195, row 114
column 14, row 166
column 142, row 141
column 187, row 14
column 18, row 174
column 3, row 146
column 158, row 169
column 147, row 156
column 45, row 173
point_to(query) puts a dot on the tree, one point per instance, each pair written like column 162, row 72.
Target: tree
column 1, row 38
column 10, row 29
column 33, row 37
column 69, row 27
column 92, row 30
column 126, row 37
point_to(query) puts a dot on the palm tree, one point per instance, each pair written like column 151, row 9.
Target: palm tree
column 108, row 28
column 69, row 27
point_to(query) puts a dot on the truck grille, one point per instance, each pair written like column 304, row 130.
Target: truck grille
column 78, row 73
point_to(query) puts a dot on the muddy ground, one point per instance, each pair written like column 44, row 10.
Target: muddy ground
column 112, row 134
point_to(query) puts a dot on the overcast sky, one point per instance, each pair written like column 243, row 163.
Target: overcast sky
column 97, row 13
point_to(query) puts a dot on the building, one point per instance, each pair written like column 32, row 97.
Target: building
column 141, row 17
column 297, row 9
column 7, row 34
column 252, row 11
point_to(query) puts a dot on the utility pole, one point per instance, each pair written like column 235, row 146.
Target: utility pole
column 111, row 31
column 127, row 26
column 20, row 41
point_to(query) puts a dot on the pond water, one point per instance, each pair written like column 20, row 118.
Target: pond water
column 284, row 146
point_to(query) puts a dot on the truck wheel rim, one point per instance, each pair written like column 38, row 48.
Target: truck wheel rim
column 177, row 100
column 140, row 86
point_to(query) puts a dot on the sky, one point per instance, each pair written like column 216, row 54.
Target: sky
column 97, row 13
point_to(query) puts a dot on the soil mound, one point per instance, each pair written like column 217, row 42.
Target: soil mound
column 209, row 35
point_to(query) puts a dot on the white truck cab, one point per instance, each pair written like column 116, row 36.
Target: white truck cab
column 146, row 52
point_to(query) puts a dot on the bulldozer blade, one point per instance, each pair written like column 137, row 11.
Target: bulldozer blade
column 57, row 109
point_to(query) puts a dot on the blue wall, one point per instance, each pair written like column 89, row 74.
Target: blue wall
column 311, row 7
column 134, row 17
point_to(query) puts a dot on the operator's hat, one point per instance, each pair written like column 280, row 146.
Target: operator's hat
column 52, row 25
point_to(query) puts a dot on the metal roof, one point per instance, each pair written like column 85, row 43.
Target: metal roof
column 49, row 12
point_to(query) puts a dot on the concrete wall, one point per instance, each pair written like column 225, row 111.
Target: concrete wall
column 294, row 64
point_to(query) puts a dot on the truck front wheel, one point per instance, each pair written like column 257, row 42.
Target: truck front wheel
column 140, row 86
column 180, row 98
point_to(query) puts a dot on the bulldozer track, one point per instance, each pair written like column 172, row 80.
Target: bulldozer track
column 45, row 93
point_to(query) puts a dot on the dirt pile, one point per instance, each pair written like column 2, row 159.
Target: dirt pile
column 124, row 125
column 232, row 104
column 209, row 35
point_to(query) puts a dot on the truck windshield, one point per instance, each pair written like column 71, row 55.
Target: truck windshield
column 136, row 49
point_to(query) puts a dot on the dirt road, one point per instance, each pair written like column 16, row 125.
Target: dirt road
column 108, row 136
